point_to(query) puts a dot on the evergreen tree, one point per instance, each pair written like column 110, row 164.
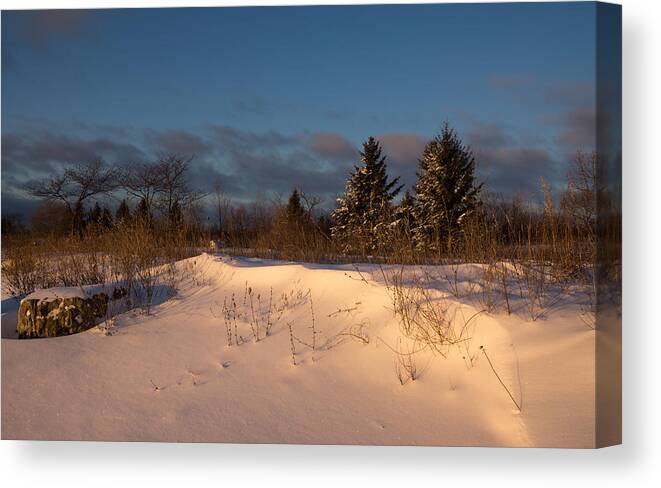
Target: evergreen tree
column 405, row 215
column 98, row 219
column 365, row 211
column 94, row 216
column 142, row 213
column 123, row 212
column 106, row 218
column 446, row 190
column 295, row 214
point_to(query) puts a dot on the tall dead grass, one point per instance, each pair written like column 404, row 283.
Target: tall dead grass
column 136, row 256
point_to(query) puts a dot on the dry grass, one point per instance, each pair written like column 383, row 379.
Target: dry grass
column 136, row 256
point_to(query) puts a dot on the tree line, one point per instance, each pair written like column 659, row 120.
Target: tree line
column 161, row 189
column 446, row 214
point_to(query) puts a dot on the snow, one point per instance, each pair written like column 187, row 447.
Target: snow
column 50, row 294
column 56, row 293
column 170, row 376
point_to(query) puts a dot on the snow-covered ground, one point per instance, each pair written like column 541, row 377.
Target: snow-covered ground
column 171, row 376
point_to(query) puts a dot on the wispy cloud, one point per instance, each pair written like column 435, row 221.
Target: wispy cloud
column 38, row 28
column 246, row 163
column 507, row 164
column 330, row 145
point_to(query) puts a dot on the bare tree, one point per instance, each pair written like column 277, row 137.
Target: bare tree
column 580, row 199
column 142, row 181
column 172, row 171
column 77, row 184
column 222, row 205
column 311, row 202
column 161, row 185
column 174, row 191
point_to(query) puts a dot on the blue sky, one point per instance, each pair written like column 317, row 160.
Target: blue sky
column 271, row 98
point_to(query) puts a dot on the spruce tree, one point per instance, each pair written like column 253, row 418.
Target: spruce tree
column 364, row 212
column 142, row 213
column 98, row 219
column 94, row 216
column 123, row 212
column 106, row 218
column 446, row 190
column 295, row 214
column 292, row 227
column 405, row 215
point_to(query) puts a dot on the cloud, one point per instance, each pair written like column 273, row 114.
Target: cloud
column 38, row 28
column 233, row 139
column 403, row 150
column 568, row 106
column 18, row 205
column 569, row 93
column 403, row 147
column 178, row 142
column 246, row 163
column 514, row 159
column 252, row 163
column 484, row 135
column 517, row 170
column 274, row 162
column 331, row 146
column 558, row 93
column 510, row 81
column 567, row 117
column 506, row 165
column 577, row 128
column 45, row 151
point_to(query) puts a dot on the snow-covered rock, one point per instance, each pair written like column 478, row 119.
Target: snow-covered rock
column 59, row 311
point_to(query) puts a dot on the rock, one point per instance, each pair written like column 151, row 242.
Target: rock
column 49, row 313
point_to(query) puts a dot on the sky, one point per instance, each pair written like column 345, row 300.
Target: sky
column 271, row 98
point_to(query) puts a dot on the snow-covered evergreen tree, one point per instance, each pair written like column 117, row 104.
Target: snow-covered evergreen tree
column 446, row 191
column 405, row 215
column 364, row 213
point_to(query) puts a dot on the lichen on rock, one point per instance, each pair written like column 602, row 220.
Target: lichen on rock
column 57, row 314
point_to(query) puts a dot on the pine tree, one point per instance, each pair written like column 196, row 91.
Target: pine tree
column 94, row 216
column 106, row 218
column 295, row 214
column 123, row 212
column 446, row 190
column 405, row 215
column 364, row 212
column 98, row 219
column 142, row 213
column 292, row 227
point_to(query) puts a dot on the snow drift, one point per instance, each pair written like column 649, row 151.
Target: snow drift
column 190, row 372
